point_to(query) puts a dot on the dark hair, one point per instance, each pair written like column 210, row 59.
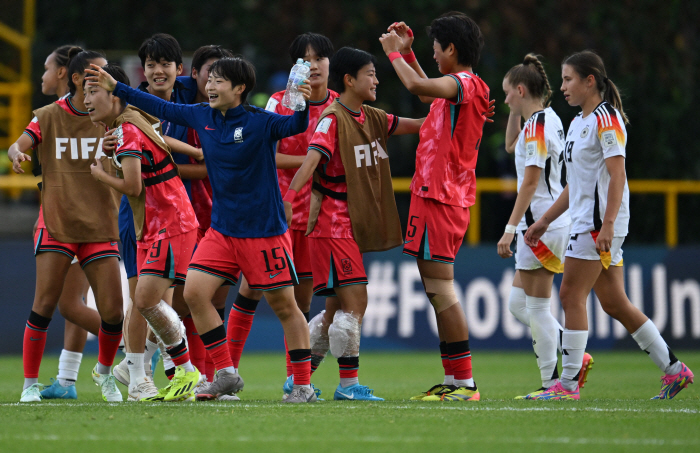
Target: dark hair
column 347, row 61
column 119, row 75
column 205, row 53
column 588, row 63
column 61, row 55
column 530, row 73
column 237, row 70
column 160, row 46
column 321, row 45
column 459, row 29
column 78, row 61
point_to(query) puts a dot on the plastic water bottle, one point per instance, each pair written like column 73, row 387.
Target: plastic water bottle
column 292, row 98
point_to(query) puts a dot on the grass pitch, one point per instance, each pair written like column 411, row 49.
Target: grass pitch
column 615, row 413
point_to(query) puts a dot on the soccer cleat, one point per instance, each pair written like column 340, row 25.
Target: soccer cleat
column 108, row 385
column 183, row 384
column 456, row 394
column 57, row 391
column 228, row 397
column 224, row 384
column 289, row 386
column 301, row 395
column 144, row 391
column 121, row 373
column 671, row 384
column 435, row 389
column 557, row 392
column 31, row 394
column 355, row 392
column 529, row 396
column 586, row 366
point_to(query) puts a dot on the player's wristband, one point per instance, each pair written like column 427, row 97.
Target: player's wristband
column 290, row 195
column 510, row 229
column 409, row 57
column 409, row 32
column 394, row 55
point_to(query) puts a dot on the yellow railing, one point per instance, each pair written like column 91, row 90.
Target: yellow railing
column 671, row 189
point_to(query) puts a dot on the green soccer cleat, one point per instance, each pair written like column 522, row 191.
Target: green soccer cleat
column 183, row 384
column 458, row 394
column 108, row 386
column 434, row 390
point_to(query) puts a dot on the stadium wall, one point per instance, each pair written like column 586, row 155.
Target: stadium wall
column 664, row 282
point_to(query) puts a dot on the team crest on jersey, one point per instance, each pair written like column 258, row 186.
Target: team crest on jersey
column 464, row 75
column 347, row 266
column 584, row 132
column 324, row 125
column 238, row 135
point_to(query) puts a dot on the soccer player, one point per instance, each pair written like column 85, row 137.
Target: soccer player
column 71, row 304
column 78, row 218
column 248, row 232
column 291, row 152
column 538, row 146
column 165, row 230
column 444, row 184
column 353, row 208
column 597, row 197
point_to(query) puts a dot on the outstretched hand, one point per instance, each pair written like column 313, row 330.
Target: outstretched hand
column 305, row 90
column 391, row 42
column 17, row 162
column 491, row 111
column 98, row 77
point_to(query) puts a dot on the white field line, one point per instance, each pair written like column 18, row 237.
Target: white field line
column 471, row 408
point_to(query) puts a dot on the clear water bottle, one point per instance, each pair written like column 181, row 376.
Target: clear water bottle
column 293, row 99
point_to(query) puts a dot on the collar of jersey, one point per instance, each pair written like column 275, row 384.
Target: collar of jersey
column 174, row 94
column 351, row 112
column 533, row 115
column 73, row 109
column 321, row 102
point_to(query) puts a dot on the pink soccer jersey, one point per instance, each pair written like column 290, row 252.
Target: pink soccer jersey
column 449, row 144
column 297, row 145
column 334, row 218
column 168, row 208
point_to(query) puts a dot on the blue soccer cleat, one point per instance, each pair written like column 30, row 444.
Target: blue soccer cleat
column 355, row 392
column 57, row 391
column 289, row 386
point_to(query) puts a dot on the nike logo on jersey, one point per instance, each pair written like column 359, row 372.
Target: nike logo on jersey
column 34, row 339
column 408, row 242
column 350, row 396
column 235, row 341
column 275, row 275
column 209, row 128
column 150, row 262
column 112, row 244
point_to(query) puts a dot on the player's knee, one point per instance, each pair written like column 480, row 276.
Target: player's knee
column 441, row 293
column 112, row 315
column 570, row 299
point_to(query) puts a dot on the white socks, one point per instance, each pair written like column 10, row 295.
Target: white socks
column 573, row 348
column 650, row 341
column 449, row 380
column 68, row 367
column 188, row 366
column 347, row 382
column 28, row 382
column 151, row 349
column 545, row 333
column 516, row 304
column 464, row 382
column 134, row 361
column 103, row 369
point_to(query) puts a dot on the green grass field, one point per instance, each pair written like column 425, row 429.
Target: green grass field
column 615, row 413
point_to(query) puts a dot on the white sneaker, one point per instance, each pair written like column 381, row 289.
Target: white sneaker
column 31, row 394
column 121, row 373
column 108, row 385
column 145, row 390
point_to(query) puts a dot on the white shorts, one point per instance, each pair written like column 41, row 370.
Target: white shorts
column 549, row 253
column 582, row 246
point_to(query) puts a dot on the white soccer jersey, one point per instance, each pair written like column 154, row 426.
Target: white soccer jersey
column 541, row 143
column 589, row 142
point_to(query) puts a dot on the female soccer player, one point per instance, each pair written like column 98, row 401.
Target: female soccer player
column 597, row 197
column 538, row 146
column 348, row 154
column 248, row 231
column 78, row 218
column 444, row 184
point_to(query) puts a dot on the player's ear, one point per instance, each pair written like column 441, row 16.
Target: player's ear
column 348, row 80
column 61, row 73
column 179, row 69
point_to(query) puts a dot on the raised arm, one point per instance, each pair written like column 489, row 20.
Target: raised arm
column 406, row 34
column 408, row 126
column 181, row 114
column 282, row 126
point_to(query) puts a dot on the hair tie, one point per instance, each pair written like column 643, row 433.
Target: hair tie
column 605, row 79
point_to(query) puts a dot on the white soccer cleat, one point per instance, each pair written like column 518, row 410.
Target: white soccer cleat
column 144, row 391
column 108, row 385
column 31, row 394
column 121, row 373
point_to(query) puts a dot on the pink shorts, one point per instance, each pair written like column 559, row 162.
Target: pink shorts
column 435, row 230
column 302, row 258
column 266, row 262
column 337, row 262
column 167, row 258
column 85, row 252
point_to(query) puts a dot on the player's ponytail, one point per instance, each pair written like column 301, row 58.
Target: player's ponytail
column 530, row 73
column 61, row 55
column 588, row 63
column 78, row 61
